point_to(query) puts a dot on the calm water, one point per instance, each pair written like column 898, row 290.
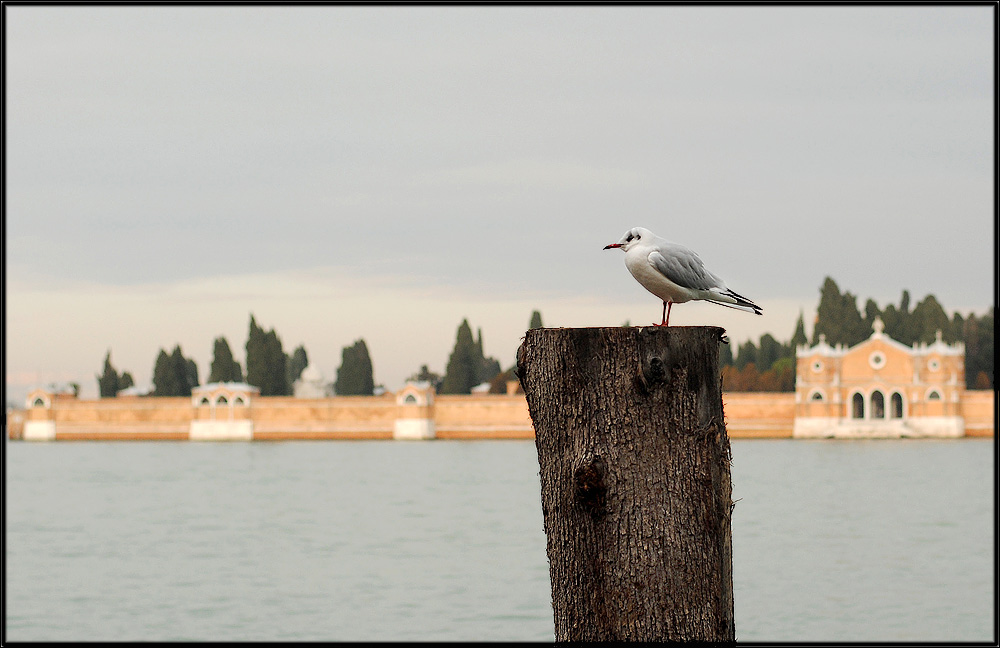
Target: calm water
column 832, row 541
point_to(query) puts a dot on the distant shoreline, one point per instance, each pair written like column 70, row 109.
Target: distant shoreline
column 222, row 413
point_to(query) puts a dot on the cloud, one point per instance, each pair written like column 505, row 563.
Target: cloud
column 340, row 168
column 528, row 174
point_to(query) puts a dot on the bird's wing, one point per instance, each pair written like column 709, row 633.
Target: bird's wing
column 683, row 267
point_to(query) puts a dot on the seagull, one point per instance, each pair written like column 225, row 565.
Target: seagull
column 675, row 273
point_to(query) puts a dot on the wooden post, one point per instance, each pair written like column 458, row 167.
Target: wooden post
column 636, row 495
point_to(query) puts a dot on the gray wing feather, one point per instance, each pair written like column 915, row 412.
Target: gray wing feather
column 683, row 267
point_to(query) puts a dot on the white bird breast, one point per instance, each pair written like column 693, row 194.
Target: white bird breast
column 637, row 262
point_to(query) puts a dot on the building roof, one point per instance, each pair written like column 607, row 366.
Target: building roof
column 311, row 374
column 878, row 327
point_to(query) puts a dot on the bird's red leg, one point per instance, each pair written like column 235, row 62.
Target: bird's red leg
column 666, row 314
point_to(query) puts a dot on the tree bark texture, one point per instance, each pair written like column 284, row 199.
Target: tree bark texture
column 634, row 466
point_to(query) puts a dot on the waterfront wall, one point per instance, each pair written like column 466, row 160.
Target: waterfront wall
column 494, row 416
column 475, row 416
column 761, row 415
column 979, row 411
column 340, row 417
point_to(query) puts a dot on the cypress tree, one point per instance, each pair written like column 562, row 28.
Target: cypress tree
column 977, row 334
column 855, row 328
column 366, row 371
column 190, row 374
column 277, row 373
column 910, row 332
column 224, row 368
column 986, row 359
column 904, row 303
column 296, row 363
column 747, row 354
column 837, row 317
column 928, row 318
column 173, row 374
column 354, row 376
column 256, row 359
column 488, row 368
column 871, row 312
column 769, row 352
column 970, row 335
column 463, row 364
column 164, row 378
column 957, row 326
column 107, row 382
column 536, row 320
column 266, row 362
column 826, row 312
column 725, row 355
column 894, row 324
column 898, row 321
column 799, row 337
column 184, row 371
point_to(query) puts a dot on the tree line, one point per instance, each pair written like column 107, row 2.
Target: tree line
column 767, row 365
column 770, row 364
column 468, row 366
column 274, row 372
column 268, row 368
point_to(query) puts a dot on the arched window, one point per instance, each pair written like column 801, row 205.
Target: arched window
column 816, row 396
column 410, row 399
column 238, row 401
column 222, row 400
column 204, row 401
column 857, row 406
column 896, row 405
column 934, row 395
column 878, row 404
column 39, row 402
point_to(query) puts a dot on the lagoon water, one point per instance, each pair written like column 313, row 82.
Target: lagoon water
column 296, row 541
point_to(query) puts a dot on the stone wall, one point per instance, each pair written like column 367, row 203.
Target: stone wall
column 979, row 410
column 479, row 416
column 475, row 416
column 750, row 415
column 340, row 417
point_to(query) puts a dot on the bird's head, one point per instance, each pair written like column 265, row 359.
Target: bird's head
column 634, row 236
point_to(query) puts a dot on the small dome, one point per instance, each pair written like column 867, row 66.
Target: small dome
column 311, row 374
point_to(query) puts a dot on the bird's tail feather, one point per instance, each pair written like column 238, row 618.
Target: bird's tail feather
column 739, row 302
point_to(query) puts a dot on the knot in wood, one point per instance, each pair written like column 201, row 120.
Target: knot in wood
column 590, row 487
column 656, row 370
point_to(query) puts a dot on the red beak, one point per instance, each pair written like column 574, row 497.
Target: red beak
column 613, row 245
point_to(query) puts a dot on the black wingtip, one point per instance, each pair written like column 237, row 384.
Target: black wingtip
column 745, row 303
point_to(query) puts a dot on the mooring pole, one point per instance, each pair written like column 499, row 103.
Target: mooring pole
column 633, row 458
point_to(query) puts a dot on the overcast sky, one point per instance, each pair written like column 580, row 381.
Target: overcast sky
column 385, row 172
